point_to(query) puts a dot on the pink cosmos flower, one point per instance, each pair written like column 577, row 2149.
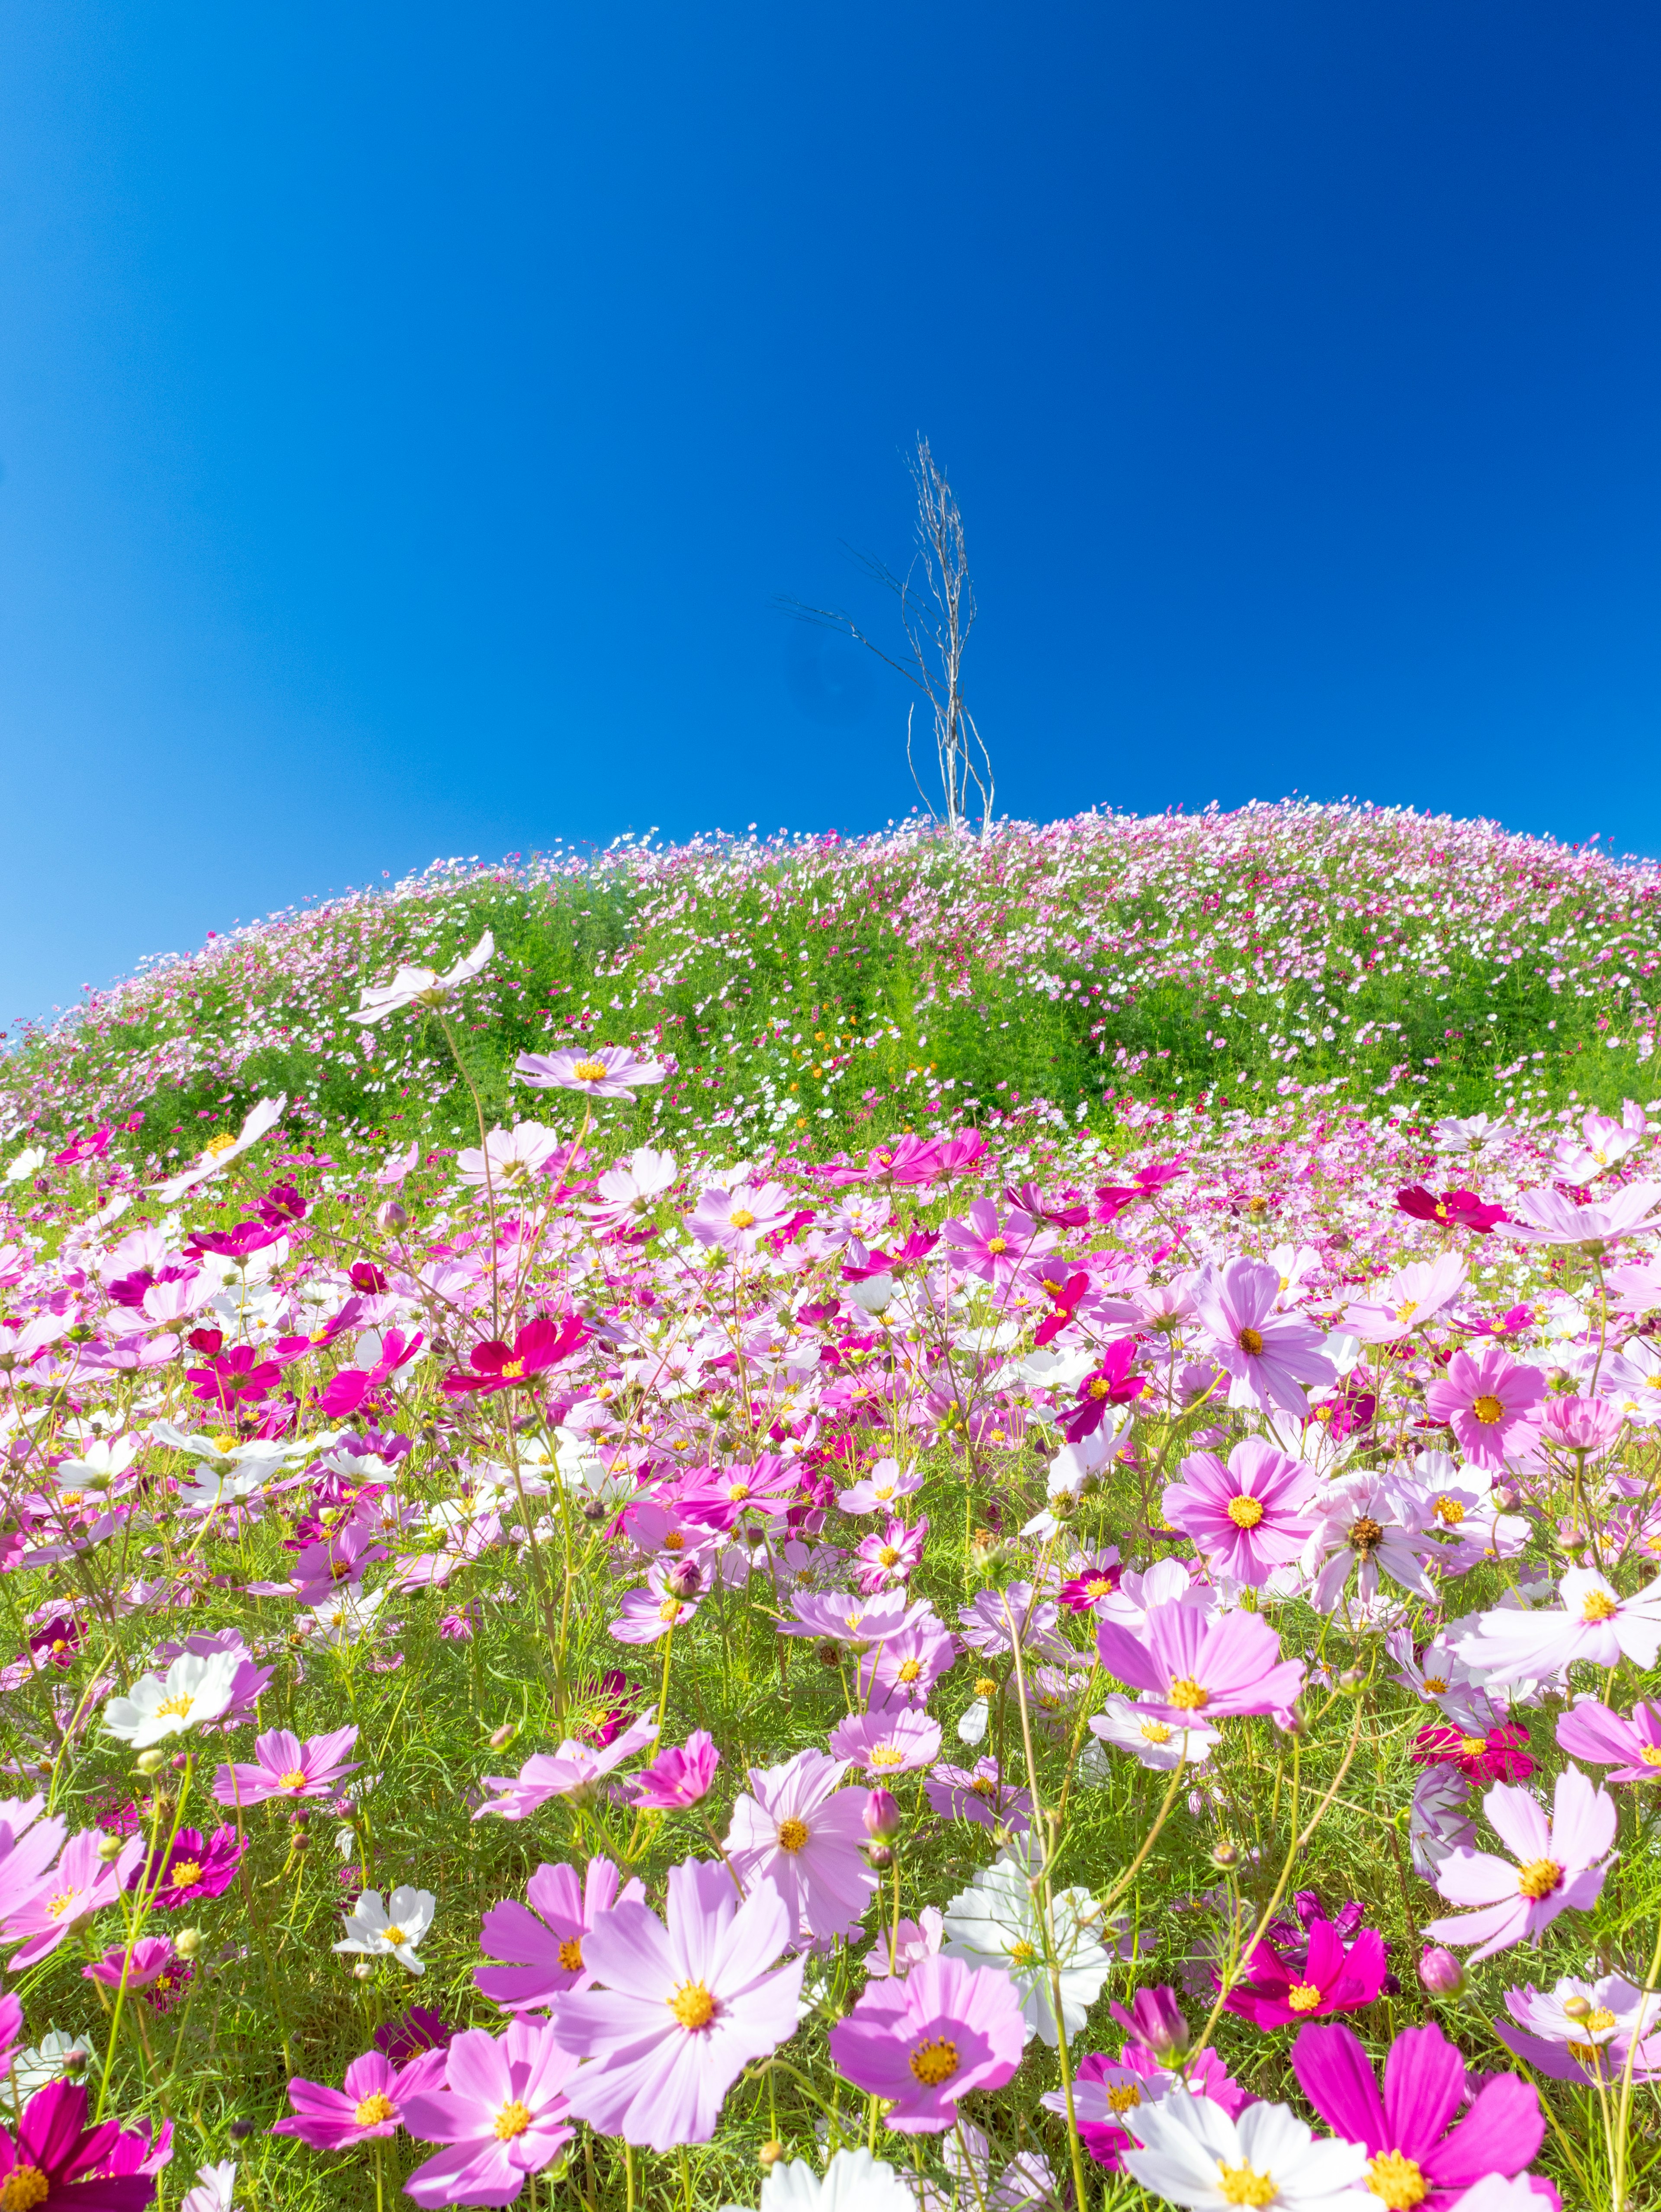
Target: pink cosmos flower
column 669, row 1597
column 1496, row 1756
column 845, row 1619
column 545, row 1936
column 736, row 1220
column 1590, row 1730
column 1488, row 1399
column 1437, row 1822
column 629, row 1189
column 1594, row 1623
column 887, row 1560
column 1191, row 1663
column 903, row 1668
column 606, row 1070
column 885, row 1743
column 1562, row 1863
column 1330, row 1979
column 1270, row 1355
column 372, row 2102
column 1407, row 1300
column 283, row 1767
column 148, row 1961
column 1420, row 2150
column 678, row 1778
column 1581, row 1424
column 496, row 1366
column 898, row 1948
column 1370, row 1523
column 979, row 1794
column 807, row 1837
column 1584, row 2030
column 883, row 1487
column 501, row 2115
column 1105, row 2090
column 924, row 2041
column 572, row 1770
column 995, row 1250
column 1110, row 1384
column 993, row 1621
column 56, row 2163
column 680, row 2010
column 80, row 1885
column 1246, row 1516
column 1546, row 1217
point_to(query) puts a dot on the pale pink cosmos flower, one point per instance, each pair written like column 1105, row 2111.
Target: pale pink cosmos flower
column 680, row 2010
column 602, row 1071
column 1593, row 1623
column 882, row 1743
column 572, row 1770
column 1408, row 1299
column 545, row 1936
column 904, row 1668
column 1602, row 1143
column 736, row 1220
column 1150, row 1736
column 1270, row 1355
column 1374, row 1525
column 1489, row 1402
column 922, row 2042
column 886, row 1561
column 1583, row 2031
column 1437, row 1826
column 1590, row 1730
column 259, row 1122
column 883, row 1487
column 846, row 1620
column 1546, row 1217
column 283, row 1767
column 898, row 1948
column 628, row 1191
column 80, row 1884
column 807, row 1836
column 145, row 1962
column 670, row 1595
column 1193, row 1666
column 979, row 1794
column 501, row 2115
column 1561, row 1864
column 422, row 987
column 1246, row 1516
column 1581, row 1424
column 510, row 1158
column 995, row 1250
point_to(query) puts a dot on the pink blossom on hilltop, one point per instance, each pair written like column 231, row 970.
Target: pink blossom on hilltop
column 1561, row 1864
column 807, row 1836
column 605, row 1071
column 1331, row 1978
column 371, row 2103
column 544, row 1937
column 1590, row 1730
column 82, row 1884
column 736, row 1220
column 1271, row 1356
column 501, row 2115
column 1190, row 1665
column 1489, row 1402
column 1247, row 1516
column 1594, row 1624
column 572, row 1770
column 887, row 1742
column 923, row 2041
column 1546, row 1217
column 422, row 987
column 283, row 1767
column 681, row 2007
column 678, row 1778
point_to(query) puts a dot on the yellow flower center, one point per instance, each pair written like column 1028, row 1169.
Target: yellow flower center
column 1436, row 1683
column 1599, row 1606
column 1473, row 1746
column 61, row 1903
column 1243, row 2185
column 1396, row 2181
column 1589, row 2054
column 1650, row 1755
column 933, row 2061
column 1099, row 1386
column 512, row 2121
column 374, row 2111
column 1600, row 2019
column 983, row 1786
column 1450, row 1512
column 1538, row 1878
column 184, row 1872
column 1123, row 2097
column 180, row 1706
column 692, row 2005
column 216, row 1146
column 1023, row 1954
column 909, row 1670
column 793, row 1834
column 984, row 1685
column 1188, row 1695
column 1406, row 1310
column 1155, row 1732
column 1251, row 1340
column 887, row 1755
column 70, row 1497
column 570, row 1954
column 669, row 1610
column 1099, row 1586
column 1303, row 1996
column 889, row 1556
column 997, row 1243
column 886, row 1491
column 393, row 1933
column 741, row 1217
column 294, row 1779
column 1366, row 1535
column 26, row 2187
column 512, row 1370
column 1245, row 1512
column 1488, row 1409
column 590, row 1070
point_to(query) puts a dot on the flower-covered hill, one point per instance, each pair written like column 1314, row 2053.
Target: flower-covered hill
column 821, row 992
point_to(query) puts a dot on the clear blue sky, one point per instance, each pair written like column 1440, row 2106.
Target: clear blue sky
column 410, row 415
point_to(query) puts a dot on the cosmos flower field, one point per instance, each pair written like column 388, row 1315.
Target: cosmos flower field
column 862, row 1525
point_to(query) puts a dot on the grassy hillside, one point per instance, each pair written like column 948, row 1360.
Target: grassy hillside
column 826, row 992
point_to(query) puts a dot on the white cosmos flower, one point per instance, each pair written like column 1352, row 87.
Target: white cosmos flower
column 56, row 2058
column 260, row 1121
column 29, row 1162
column 853, row 2182
column 422, row 987
column 390, row 1930
column 215, row 2186
column 1195, row 2155
column 191, row 1691
column 1147, row 1737
column 996, row 1922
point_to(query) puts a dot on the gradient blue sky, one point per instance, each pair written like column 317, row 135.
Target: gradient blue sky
column 410, row 415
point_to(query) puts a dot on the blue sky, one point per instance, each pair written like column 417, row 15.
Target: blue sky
column 410, row 417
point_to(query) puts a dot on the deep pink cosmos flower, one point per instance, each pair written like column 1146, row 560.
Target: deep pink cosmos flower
column 1246, row 1517
column 681, row 2009
column 146, row 1963
column 886, row 1560
column 678, row 1778
column 1421, row 2152
column 1562, row 1863
column 56, row 2163
column 497, row 1366
column 1454, row 1209
column 80, row 1884
column 501, row 2115
column 807, row 1837
column 1270, row 1355
column 885, row 1743
column 283, row 1767
column 1193, row 1665
column 605, row 1071
column 415, row 2029
column 1488, row 1400
column 193, row 1865
column 372, row 2102
column 237, row 1377
column 1111, row 1384
column 544, row 1937
column 979, row 1794
column 926, row 2040
column 1590, row 1730
column 1497, row 1756
column 1331, row 1978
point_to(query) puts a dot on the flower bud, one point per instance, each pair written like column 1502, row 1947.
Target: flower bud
column 1223, row 1853
column 830, row 1654
column 593, row 1508
column 1352, row 1679
column 391, row 1218
column 151, row 1761
column 364, row 1972
column 882, row 1815
column 1441, row 1972
column 879, row 1856
column 241, row 2130
column 1577, row 2007
column 686, row 1578
column 501, row 1737
column 187, row 1942
column 770, row 2155
column 1503, row 1497
column 109, row 1850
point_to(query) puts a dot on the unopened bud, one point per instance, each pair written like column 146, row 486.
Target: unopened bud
column 150, row 1762
column 1577, row 2007
column 1504, row 1497
column 241, row 2130
column 686, row 1578
column 879, row 1855
column 1352, row 1677
column 1292, row 1722
column 882, row 1815
column 1224, row 1854
column 187, row 1942
column 593, row 1508
column 362, row 1971
column 501, row 1737
column 1442, row 1973
column 109, row 1850
column 391, row 1217
column 830, row 1654
column 770, row 2155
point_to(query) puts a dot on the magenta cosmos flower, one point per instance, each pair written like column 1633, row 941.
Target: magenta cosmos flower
column 1590, row 1730
column 372, row 2101
column 1270, row 1355
column 606, row 1070
column 1189, row 1663
column 807, row 1837
column 544, row 1937
column 678, row 1778
column 681, row 2010
column 501, row 2115
column 80, row 1884
column 191, row 1866
column 887, row 1742
column 1245, row 1515
column 1421, row 2151
column 1488, row 1399
column 1330, row 1979
column 283, row 1767
column 56, row 2163
column 924, row 2041
column 1562, row 1865
column 540, row 1345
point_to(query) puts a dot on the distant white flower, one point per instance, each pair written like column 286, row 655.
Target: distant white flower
column 1193, row 2154
column 1469, row 1133
column 192, row 1690
column 98, row 1466
column 391, row 1931
column 513, row 1156
column 996, row 1922
column 1139, row 1730
column 853, row 2182
column 629, row 1190
column 260, row 1121
column 343, row 1619
column 216, row 2186
column 56, row 2058
column 422, row 986
column 29, row 1162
